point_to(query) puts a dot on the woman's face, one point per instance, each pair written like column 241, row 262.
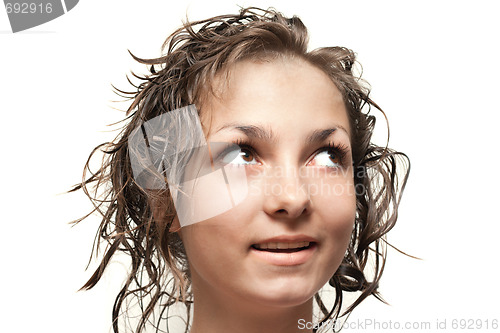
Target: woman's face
column 285, row 240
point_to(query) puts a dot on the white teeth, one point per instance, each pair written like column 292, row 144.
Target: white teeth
column 281, row 246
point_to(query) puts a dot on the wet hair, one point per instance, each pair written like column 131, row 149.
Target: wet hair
column 193, row 57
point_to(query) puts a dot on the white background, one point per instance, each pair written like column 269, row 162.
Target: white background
column 433, row 66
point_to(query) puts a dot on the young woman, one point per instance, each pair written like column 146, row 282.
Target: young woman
column 245, row 181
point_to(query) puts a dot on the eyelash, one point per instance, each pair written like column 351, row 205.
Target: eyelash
column 339, row 149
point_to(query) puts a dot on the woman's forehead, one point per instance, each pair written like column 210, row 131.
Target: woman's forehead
column 283, row 95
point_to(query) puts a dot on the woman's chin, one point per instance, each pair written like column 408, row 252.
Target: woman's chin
column 283, row 296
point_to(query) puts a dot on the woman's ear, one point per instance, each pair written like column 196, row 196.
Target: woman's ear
column 159, row 208
column 175, row 226
column 162, row 213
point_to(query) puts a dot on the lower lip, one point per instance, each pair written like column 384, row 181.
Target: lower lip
column 286, row 259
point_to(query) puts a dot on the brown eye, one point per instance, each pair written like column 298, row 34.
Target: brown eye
column 333, row 156
column 240, row 156
column 328, row 158
column 246, row 155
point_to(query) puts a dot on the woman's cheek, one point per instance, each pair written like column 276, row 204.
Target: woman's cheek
column 340, row 212
column 203, row 244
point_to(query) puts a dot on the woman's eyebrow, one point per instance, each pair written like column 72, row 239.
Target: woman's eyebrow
column 261, row 133
column 252, row 131
column 323, row 134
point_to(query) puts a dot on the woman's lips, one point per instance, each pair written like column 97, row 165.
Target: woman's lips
column 281, row 245
column 284, row 253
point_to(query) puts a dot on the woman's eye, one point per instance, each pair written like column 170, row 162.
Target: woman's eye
column 328, row 158
column 239, row 156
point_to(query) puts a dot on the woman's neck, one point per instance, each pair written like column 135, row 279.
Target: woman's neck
column 221, row 314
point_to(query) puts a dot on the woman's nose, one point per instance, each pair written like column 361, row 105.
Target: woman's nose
column 285, row 194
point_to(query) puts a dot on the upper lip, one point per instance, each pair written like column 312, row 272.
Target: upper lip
column 288, row 239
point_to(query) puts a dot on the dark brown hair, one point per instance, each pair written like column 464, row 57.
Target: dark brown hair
column 193, row 56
